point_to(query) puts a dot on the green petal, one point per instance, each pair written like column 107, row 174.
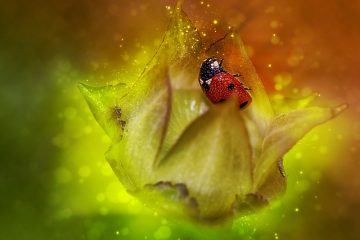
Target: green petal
column 284, row 132
column 213, row 159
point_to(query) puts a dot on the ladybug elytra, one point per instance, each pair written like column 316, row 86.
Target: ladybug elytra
column 219, row 85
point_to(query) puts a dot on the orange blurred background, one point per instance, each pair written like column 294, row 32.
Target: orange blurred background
column 296, row 46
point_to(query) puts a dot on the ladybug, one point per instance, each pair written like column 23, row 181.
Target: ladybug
column 219, row 85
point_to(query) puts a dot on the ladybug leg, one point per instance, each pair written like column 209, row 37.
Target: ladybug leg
column 237, row 75
column 221, row 61
column 246, row 88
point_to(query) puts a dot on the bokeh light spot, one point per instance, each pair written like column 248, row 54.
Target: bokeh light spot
column 62, row 175
column 276, row 236
column 282, row 80
column 125, row 231
column 100, row 197
column 84, row 171
column 163, row 232
column 274, row 24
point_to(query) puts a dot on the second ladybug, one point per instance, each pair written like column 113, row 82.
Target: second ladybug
column 219, row 85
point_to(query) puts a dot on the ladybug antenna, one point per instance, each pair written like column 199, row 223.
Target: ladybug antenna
column 221, row 61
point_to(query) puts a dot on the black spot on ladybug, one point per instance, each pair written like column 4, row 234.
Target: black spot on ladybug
column 231, row 86
column 242, row 105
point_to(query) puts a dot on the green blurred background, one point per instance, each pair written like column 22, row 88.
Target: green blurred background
column 55, row 182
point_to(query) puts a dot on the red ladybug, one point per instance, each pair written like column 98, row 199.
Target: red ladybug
column 219, row 85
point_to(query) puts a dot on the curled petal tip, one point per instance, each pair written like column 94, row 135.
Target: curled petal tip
column 84, row 89
column 82, row 86
column 337, row 110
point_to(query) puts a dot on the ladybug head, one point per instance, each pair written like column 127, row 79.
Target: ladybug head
column 210, row 67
